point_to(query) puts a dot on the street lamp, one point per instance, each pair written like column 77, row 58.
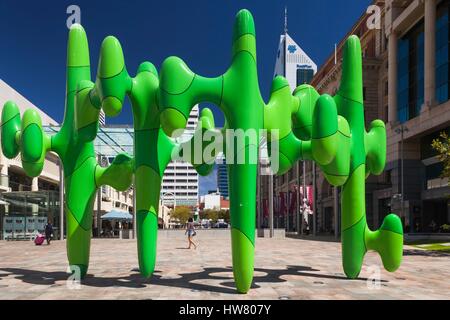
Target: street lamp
column 401, row 130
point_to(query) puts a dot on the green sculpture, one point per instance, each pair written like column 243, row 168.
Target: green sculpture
column 331, row 131
column 304, row 125
column 153, row 150
column 74, row 146
column 323, row 123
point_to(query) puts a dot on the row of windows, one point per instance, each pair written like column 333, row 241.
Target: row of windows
column 411, row 69
column 181, row 187
column 182, row 174
column 442, row 54
column 178, row 194
column 180, row 181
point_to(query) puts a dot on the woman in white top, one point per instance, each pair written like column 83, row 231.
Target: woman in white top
column 190, row 231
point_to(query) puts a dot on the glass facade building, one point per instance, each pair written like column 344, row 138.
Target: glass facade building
column 442, row 52
column 222, row 178
column 410, row 61
column 26, row 213
column 411, row 51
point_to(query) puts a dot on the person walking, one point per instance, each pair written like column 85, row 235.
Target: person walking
column 48, row 231
column 190, row 231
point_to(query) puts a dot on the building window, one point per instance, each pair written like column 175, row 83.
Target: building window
column 442, row 53
column 304, row 75
column 388, row 176
column 410, row 82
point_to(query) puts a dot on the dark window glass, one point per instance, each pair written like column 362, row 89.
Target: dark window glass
column 410, row 80
column 442, row 52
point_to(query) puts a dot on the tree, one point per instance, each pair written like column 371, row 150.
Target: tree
column 210, row 214
column 225, row 215
column 181, row 213
column 442, row 146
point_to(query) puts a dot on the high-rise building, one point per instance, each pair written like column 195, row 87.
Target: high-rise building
column 406, row 84
column 292, row 62
column 298, row 68
column 222, row 178
column 180, row 180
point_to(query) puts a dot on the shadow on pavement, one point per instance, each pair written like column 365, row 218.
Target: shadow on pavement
column 183, row 280
column 426, row 253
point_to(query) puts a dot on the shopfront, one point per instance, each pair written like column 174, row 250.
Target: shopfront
column 23, row 214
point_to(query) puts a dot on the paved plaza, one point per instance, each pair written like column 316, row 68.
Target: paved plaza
column 284, row 269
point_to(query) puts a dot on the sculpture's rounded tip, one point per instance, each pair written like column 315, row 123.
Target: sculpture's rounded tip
column 278, row 83
column 243, row 24
column 77, row 47
column 147, row 67
column 174, row 65
column 111, row 61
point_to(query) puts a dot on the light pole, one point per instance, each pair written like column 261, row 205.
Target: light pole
column 304, row 196
column 401, row 130
column 271, row 203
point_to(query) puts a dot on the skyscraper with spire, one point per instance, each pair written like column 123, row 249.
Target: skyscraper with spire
column 292, row 62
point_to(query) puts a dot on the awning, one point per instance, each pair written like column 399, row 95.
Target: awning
column 117, row 215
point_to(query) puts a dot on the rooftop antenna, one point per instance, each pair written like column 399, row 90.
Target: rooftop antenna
column 285, row 20
column 335, row 53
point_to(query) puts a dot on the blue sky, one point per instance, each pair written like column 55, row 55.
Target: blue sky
column 34, row 34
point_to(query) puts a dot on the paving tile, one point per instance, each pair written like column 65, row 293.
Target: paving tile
column 284, row 269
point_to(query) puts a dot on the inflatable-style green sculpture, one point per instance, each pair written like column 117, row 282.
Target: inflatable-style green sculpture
column 74, row 146
column 331, row 131
column 153, row 150
column 304, row 125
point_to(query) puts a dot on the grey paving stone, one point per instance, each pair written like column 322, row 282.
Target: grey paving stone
column 284, row 269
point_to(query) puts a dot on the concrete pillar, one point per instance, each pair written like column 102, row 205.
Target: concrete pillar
column 315, row 212
column 336, row 212
column 34, row 184
column 271, row 204
column 392, row 77
column 288, row 200
column 4, row 175
column 297, row 190
column 259, row 209
column 135, row 211
column 430, row 53
column 97, row 216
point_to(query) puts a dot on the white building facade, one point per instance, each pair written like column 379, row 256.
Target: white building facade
column 180, row 181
